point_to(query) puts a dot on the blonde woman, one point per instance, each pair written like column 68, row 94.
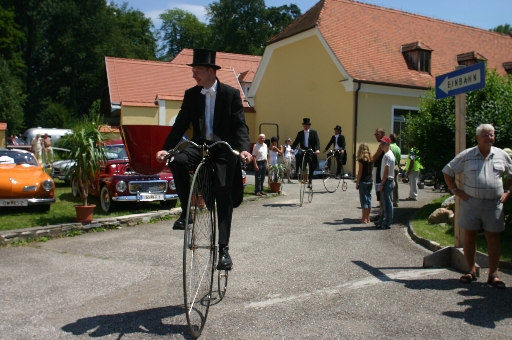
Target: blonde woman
column 364, row 181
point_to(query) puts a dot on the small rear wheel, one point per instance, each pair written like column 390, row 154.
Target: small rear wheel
column 344, row 186
column 222, row 281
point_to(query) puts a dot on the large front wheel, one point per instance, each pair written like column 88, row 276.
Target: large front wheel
column 304, row 179
column 329, row 170
column 199, row 249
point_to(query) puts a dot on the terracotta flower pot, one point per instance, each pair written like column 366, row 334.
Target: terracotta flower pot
column 275, row 187
column 84, row 212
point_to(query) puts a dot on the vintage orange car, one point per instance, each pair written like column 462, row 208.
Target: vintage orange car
column 23, row 182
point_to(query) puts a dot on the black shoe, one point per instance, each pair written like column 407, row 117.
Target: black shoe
column 310, row 186
column 225, row 262
column 180, row 223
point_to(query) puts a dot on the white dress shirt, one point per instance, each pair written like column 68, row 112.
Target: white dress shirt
column 209, row 109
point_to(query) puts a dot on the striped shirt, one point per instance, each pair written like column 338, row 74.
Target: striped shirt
column 482, row 176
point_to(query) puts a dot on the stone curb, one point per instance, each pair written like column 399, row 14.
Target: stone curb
column 57, row 230
column 434, row 246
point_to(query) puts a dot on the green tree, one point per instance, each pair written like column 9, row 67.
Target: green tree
column 11, row 98
column 65, row 46
column 505, row 29
column 181, row 29
column 278, row 18
column 433, row 127
column 11, row 39
column 130, row 33
column 238, row 26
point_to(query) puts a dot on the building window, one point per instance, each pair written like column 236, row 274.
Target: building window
column 508, row 67
column 417, row 56
column 399, row 114
column 470, row 58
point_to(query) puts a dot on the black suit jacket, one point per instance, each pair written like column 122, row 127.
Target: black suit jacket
column 228, row 119
column 313, row 140
column 341, row 144
column 228, row 125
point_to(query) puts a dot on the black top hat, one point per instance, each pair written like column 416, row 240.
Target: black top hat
column 337, row 127
column 204, row 57
column 305, row 121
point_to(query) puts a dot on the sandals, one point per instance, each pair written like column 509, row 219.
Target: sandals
column 495, row 281
column 468, row 277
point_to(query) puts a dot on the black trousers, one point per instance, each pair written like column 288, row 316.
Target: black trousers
column 311, row 159
column 225, row 163
column 339, row 158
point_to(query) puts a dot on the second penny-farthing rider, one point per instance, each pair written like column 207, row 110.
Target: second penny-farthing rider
column 338, row 142
column 216, row 113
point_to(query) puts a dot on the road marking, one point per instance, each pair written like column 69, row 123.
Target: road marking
column 370, row 281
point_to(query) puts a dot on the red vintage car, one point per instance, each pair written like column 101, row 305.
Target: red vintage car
column 117, row 182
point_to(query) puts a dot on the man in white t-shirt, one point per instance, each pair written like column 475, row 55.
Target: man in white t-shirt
column 387, row 184
column 260, row 155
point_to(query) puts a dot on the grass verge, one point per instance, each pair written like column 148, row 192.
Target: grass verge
column 445, row 236
column 63, row 210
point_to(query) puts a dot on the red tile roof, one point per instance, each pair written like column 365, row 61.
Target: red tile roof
column 141, row 82
column 239, row 62
column 367, row 39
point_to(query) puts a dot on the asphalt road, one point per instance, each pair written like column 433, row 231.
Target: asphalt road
column 300, row 273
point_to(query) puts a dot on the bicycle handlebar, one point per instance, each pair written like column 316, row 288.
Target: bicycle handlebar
column 305, row 150
column 204, row 147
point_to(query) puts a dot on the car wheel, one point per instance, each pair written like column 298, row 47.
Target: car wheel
column 169, row 204
column 75, row 189
column 106, row 199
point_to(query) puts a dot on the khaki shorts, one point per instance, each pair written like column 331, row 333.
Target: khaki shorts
column 486, row 213
column 288, row 163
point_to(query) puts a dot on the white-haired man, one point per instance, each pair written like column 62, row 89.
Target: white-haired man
column 482, row 198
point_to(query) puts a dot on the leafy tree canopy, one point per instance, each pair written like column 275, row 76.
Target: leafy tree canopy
column 182, row 29
column 11, row 99
column 432, row 129
column 505, row 29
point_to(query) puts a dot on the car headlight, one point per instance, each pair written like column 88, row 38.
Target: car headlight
column 121, row 186
column 172, row 186
column 48, row 185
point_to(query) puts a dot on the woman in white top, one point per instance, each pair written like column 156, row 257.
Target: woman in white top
column 288, row 157
column 37, row 148
column 274, row 151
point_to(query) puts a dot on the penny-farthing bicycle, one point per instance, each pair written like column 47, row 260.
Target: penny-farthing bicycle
column 199, row 246
column 330, row 176
column 304, row 177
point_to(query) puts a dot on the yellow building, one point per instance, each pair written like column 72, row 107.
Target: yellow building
column 362, row 67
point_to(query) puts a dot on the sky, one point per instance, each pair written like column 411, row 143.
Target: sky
column 477, row 13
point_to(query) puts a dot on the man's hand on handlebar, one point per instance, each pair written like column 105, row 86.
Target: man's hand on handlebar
column 246, row 157
column 161, row 156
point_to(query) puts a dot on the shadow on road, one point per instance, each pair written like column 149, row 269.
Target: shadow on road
column 148, row 321
column 486, row 305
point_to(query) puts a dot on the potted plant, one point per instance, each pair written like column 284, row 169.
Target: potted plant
column 87, row 154
column 276, row 175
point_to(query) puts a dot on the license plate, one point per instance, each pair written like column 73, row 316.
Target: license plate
column 13, row 203
column 151, row 197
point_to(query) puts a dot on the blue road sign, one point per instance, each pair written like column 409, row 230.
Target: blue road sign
column 469, row 78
